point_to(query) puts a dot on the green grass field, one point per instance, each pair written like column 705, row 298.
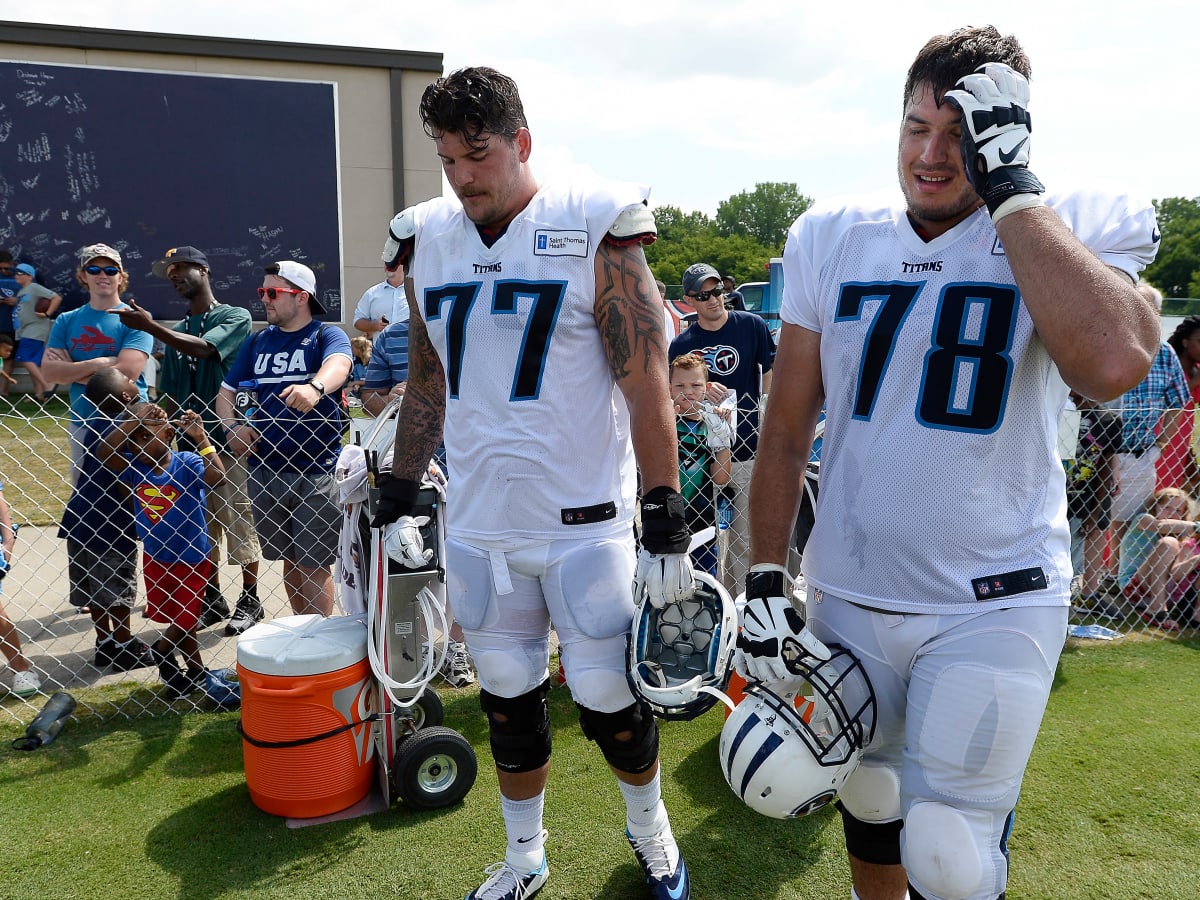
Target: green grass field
column 158, row 807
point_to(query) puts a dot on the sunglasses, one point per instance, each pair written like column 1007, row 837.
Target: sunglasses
column 110, row 271
column 273, row 293
column 703, row 296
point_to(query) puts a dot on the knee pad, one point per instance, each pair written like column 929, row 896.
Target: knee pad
column 519, row 728
column 635, row 754
column 940, row 853
column 597, row 675
column 508, row 673
column 872, row 842
column 872, row 794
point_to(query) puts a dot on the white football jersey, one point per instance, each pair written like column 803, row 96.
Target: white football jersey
column 537, row 433
column 941, row 489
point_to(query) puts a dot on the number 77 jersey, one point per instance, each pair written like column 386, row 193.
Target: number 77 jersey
column 939, row 464
column 537, row 434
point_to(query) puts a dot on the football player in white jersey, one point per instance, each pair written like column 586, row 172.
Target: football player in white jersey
column 537, row 346
column 941, row 335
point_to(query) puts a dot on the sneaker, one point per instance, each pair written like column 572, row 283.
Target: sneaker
column 504, row 883
column 248, row 612
column 1103, row 610
column 105, row 650
column 215, row 608
column 167, row 667
column 456, row 667
column 26, row 684
column 132, row 655
column 654, row 854
column 183, row 684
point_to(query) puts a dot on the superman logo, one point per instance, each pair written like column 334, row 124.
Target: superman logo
column 156, row 501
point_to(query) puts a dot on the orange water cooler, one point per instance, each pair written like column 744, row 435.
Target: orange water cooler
column 307, row 698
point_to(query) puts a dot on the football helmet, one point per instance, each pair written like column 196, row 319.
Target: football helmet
column 788, row 754
column 679, row 657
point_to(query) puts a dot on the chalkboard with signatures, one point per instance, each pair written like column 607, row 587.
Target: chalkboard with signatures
column 245, row 169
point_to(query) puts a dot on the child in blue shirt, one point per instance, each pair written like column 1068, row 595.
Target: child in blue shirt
column 169, row 495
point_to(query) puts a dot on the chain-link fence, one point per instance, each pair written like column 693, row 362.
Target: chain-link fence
column 61, row 642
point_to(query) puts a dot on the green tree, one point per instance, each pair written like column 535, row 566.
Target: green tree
column 764, row 214
column 1176, row 269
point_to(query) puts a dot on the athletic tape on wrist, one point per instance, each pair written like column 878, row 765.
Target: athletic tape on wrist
column 1016, row 203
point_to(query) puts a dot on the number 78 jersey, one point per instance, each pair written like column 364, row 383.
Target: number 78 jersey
column 537, row 433
column 939, row 463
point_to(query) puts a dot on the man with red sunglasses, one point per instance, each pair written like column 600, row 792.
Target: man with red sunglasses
column 291, row 439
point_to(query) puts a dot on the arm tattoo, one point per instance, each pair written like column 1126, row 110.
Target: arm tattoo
column 423, row 412
column 628, row 310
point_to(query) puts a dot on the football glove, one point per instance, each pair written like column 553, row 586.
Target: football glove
column 772, row 631
column 995, row 137
column 397, row 497
column 664, row 570
column 403, row 542
column 720, row 435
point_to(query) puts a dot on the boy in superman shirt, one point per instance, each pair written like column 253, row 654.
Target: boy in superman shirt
column 169, row 494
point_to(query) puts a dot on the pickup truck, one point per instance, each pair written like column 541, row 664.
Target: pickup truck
column 764, row 297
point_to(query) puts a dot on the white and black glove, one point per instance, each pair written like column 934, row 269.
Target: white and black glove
column 994, row 101
column 403, row 542
column 402, row 531
column 772, row 631
column 664, row 569
column 720, row 435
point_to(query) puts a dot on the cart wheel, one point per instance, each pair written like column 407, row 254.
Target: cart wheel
column 434, row 768
column 428, row 711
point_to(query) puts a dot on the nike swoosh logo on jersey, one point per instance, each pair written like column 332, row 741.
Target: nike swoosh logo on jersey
column 1006, row 158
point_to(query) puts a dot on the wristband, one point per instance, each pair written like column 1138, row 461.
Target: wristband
column 664, row 522
column 1016, row 203
column 207, row 450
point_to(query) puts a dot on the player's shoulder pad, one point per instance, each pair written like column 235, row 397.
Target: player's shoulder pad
column 402, row 231
column 634, row 225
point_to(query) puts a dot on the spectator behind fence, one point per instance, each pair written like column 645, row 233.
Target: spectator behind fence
column 1154, row 415
column 98, row 526
column 704, row 456
column 8, row 300
column 169, row 502
column 361, row 348
column 198, row 353
column 25, row 680
column 733, row 298
column 739, row 352
column 387, row 372
column 1152, row 559
column 1090, row 483
column 8, row 349
column 86, row 340
column 382, row 304
column 294, row 368
column 36, row 307
column 1185, row 341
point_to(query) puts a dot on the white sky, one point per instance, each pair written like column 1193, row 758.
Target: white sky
column 704, row 98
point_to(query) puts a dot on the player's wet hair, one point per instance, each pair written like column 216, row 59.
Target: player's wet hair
column 945, row 58
column 475, row 103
